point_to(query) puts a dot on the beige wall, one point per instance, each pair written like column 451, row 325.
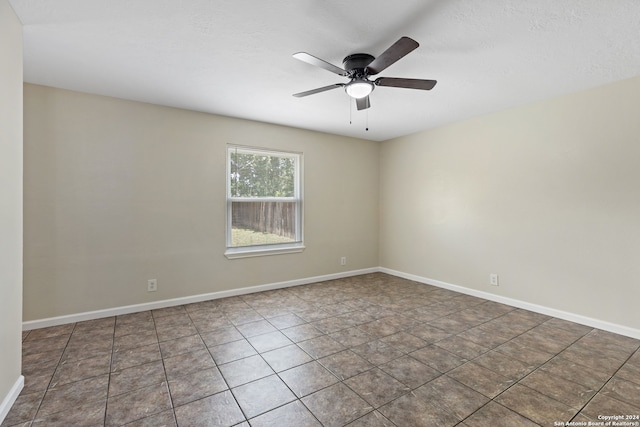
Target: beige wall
column 546, row 195
column 118, row 192
column 10, row 200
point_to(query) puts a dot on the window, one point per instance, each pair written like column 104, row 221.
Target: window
column 264, row 202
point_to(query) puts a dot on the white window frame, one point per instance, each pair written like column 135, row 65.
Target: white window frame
column 233, row 252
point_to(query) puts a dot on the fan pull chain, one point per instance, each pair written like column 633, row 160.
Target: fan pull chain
column 351, row 115
column 350, row 110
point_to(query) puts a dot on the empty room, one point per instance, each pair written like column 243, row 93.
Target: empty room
column 319, row 213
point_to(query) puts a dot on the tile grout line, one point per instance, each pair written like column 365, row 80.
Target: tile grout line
column 221, row 374
column 274, row 372
column 492, row 399
column 35, row 414
column 342, row 380
column 606, row 382
column 164, row 369
column 113, row 349
column 539, row 368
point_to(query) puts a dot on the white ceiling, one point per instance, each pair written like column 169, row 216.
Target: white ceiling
column 233, row 57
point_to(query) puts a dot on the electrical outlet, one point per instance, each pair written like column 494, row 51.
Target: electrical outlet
column 152, row 285
column 343, row 260
column 493, row 279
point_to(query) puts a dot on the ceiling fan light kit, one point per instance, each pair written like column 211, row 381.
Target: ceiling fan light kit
column 359, row 66
column 359, row 88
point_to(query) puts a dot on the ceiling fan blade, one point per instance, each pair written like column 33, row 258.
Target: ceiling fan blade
column 397, row 50
column 406, row 83
column 310, row 59
column 363, row 103
column 318, row 90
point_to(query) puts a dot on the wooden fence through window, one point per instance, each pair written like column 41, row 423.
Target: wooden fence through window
column 266, row 217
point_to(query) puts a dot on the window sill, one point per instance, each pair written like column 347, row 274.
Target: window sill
column 255, row 251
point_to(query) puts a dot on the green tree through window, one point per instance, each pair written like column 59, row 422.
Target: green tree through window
column 262, row 175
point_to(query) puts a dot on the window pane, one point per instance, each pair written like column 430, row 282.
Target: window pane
column 262, row 223
column 264, row 204
column 261, row 175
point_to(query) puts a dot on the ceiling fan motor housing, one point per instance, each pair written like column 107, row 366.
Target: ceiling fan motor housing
column 356, row 63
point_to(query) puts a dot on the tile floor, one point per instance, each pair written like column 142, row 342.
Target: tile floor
column 367, row 351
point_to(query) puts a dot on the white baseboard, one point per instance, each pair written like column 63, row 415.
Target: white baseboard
column 572, row 317
column 116, row 311
column 11, row 397
column 90, row 315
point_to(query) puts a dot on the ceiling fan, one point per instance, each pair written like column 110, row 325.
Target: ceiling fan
column 359, row 66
